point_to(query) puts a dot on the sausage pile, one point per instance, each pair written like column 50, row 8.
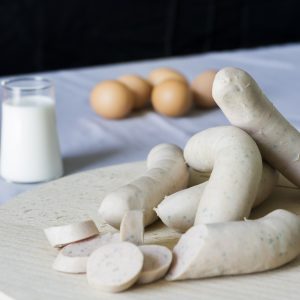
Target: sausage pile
column 217, row 238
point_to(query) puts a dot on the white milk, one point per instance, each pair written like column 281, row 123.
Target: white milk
column 29, row 142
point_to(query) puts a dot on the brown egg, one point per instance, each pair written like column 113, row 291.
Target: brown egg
column 159, row 75
column 111, row 99
column 172, row 98
column 140, row 87
column 202, row 89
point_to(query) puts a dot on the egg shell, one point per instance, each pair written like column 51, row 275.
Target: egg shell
column 172, row 98
column 159, row 75
column 202, row 89
column 140, row 87
column 111, row 99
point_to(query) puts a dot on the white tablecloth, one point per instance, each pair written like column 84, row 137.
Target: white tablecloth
column 88, row 141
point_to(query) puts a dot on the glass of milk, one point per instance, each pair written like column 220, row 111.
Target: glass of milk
column 29, row 142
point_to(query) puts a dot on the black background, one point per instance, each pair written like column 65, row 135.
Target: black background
column 38, row 35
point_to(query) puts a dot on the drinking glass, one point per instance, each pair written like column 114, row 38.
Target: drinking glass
column 30, row 149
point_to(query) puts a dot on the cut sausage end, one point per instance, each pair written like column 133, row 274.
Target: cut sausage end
column 185, row 252
column 157, row 260
column 114, row 267
column 132, row 227
column 59, row 236
column 73, row 257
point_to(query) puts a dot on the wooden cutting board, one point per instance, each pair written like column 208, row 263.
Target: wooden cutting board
column 26, row 257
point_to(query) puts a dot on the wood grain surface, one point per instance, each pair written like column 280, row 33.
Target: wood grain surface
column 26, row 256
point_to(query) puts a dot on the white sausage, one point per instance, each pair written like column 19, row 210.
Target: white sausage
column 59, row 236
column 245, row 106
column 269, row 179
column 239, row 247
column 132, row 227
column 73, row 257
column 167, row 173
column 157, row 260
column 178, row 211
column 114, row 267
column 236, row 166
